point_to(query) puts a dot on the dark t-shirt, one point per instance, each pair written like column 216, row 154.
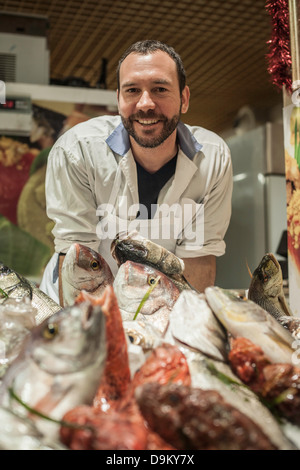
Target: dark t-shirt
column 150, row 184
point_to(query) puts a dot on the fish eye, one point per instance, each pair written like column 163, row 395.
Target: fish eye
column 95, row 265
column 151, row 280
column 50, row 331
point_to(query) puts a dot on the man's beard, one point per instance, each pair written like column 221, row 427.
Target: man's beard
column 146, row 141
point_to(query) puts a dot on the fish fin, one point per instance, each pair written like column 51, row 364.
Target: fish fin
column 249, row 271
column 284, row 305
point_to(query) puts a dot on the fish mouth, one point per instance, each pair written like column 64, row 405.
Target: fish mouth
column 124, row 249
column 269, row 266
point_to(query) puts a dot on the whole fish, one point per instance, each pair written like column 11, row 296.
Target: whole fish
column 132, row 282
column 60, row 365
column 242, row 317
column 84, row 269
column 266, row 287
column 15, row 286
column 133, row 247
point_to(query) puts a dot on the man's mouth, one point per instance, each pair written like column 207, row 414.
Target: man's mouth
column 147, row 122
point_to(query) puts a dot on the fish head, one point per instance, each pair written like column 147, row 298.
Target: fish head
column 70, row 340
column 268, row 276
column 84, row 269
column 232, row 309
column 129, row 246
column 12, row 285
column 142, row 334
column 134, row 280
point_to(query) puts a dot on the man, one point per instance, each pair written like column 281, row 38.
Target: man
column 137, row 163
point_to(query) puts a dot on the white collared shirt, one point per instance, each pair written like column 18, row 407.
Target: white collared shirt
column 82, row 167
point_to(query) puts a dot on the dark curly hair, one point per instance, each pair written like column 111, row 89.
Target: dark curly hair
column 149, row 46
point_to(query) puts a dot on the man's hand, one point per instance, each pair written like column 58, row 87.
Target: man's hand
column 200, row 272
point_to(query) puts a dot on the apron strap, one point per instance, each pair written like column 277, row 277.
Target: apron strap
column 116, row 186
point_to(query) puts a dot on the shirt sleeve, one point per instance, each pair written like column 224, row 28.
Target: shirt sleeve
column 204, row 235
column 70, row 202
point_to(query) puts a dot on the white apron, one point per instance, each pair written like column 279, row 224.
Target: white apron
column 163, row 229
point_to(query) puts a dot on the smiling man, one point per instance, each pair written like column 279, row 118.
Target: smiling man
column 144, row 170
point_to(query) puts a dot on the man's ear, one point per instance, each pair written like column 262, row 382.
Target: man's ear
column 185, row 99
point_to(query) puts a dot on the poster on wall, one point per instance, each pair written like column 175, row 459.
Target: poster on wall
column 26, row 240
column 291, row 116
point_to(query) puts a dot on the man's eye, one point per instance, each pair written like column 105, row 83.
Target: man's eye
column 160, row 89
column 132, row 90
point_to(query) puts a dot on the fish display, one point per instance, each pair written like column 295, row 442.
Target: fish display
column 210, row 370
column 131, row 246
column 144, row 361
column 60, row 365
column 121, row 426
column 266, row 287
column 84, row 269
column 242, row 317
column 114, row 408
column 195, row 419
column 131, row 284
column 15, row 286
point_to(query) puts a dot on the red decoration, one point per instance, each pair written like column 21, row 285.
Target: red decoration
column 279, row 57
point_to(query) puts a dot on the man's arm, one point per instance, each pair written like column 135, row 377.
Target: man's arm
column 200, row 272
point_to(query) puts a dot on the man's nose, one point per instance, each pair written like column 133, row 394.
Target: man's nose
column 145, row 101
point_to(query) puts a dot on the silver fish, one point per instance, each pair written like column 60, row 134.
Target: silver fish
column 131, row 284
column 131, row 246
column 84, row 269
column 15, row 286
column 192, row 323
column 242, row 317
column 60, row 365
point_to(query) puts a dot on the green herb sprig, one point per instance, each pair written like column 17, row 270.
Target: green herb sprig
column 146, row 296
column 31, row 410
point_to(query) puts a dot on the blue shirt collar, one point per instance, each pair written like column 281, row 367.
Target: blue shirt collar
column 119, row 141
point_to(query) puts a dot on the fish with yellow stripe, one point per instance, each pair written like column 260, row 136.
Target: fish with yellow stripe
column 244, row 318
